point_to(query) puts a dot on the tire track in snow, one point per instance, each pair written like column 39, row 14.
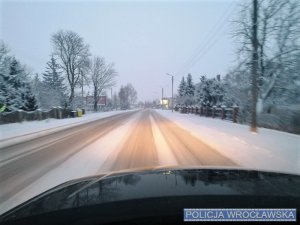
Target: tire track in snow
column 21, row 172
column 84, row 163
column 165, row 154
column 139, row 150
column 187, row 149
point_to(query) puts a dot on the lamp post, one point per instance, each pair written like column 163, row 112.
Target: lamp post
column 162, row 97
column 172, row 90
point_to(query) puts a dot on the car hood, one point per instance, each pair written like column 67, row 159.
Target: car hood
column 158, row 182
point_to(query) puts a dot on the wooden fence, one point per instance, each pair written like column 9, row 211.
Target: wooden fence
column 224, row 113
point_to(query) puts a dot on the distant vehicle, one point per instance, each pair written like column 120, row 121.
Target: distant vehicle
column 156, row 196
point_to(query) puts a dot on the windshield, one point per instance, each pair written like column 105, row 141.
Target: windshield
column 94, row 87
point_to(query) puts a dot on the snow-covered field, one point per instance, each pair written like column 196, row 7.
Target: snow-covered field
column 268, row 149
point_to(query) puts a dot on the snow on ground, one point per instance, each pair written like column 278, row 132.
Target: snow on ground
column 19, row 132
column 267, row 150
column 165, row 155
column 94, row 159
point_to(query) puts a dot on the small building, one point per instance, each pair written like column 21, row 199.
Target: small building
column 89, row 102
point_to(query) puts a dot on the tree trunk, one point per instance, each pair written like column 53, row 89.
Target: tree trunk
column 95, row 100
column 71, row 99
column 254, row 68
column 95, row 106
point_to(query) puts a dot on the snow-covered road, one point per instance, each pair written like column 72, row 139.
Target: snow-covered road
column 134, row 139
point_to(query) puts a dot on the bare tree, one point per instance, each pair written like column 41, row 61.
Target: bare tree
column 73, row 54
column 102, row 77
column 127, row 96
column 115, row 101
column 278, row 42
column 132, row 94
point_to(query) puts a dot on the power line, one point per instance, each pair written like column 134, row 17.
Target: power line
column 221, row 19
column 213, row 32
column 211, row 39
column 199, row 48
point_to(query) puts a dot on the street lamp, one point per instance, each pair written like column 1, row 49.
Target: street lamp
column 172, row 90
column 162, row 97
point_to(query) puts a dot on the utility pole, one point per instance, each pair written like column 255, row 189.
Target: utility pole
column 111, row 99
column 82, row 98
column 172, row 90
column 254, row 67
column 162, row 98
column 172, row 94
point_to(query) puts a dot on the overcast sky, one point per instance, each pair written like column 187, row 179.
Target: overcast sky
column 144, row 39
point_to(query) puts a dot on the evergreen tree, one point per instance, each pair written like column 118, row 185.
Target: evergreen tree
column 190, row 88
column 186, row 91
column 200, row 95
column 4, row 75
column 29, row 100
column 53, row 82
column 217, row 92
column 189, row 91
column 182, row 88
column 210, row 92
column 2, row 91
column 15, row 92
column 14, row 86
column 37, row 88
column 206, row 92
column 24, row 98
column 53, row 76
column 44, row 95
